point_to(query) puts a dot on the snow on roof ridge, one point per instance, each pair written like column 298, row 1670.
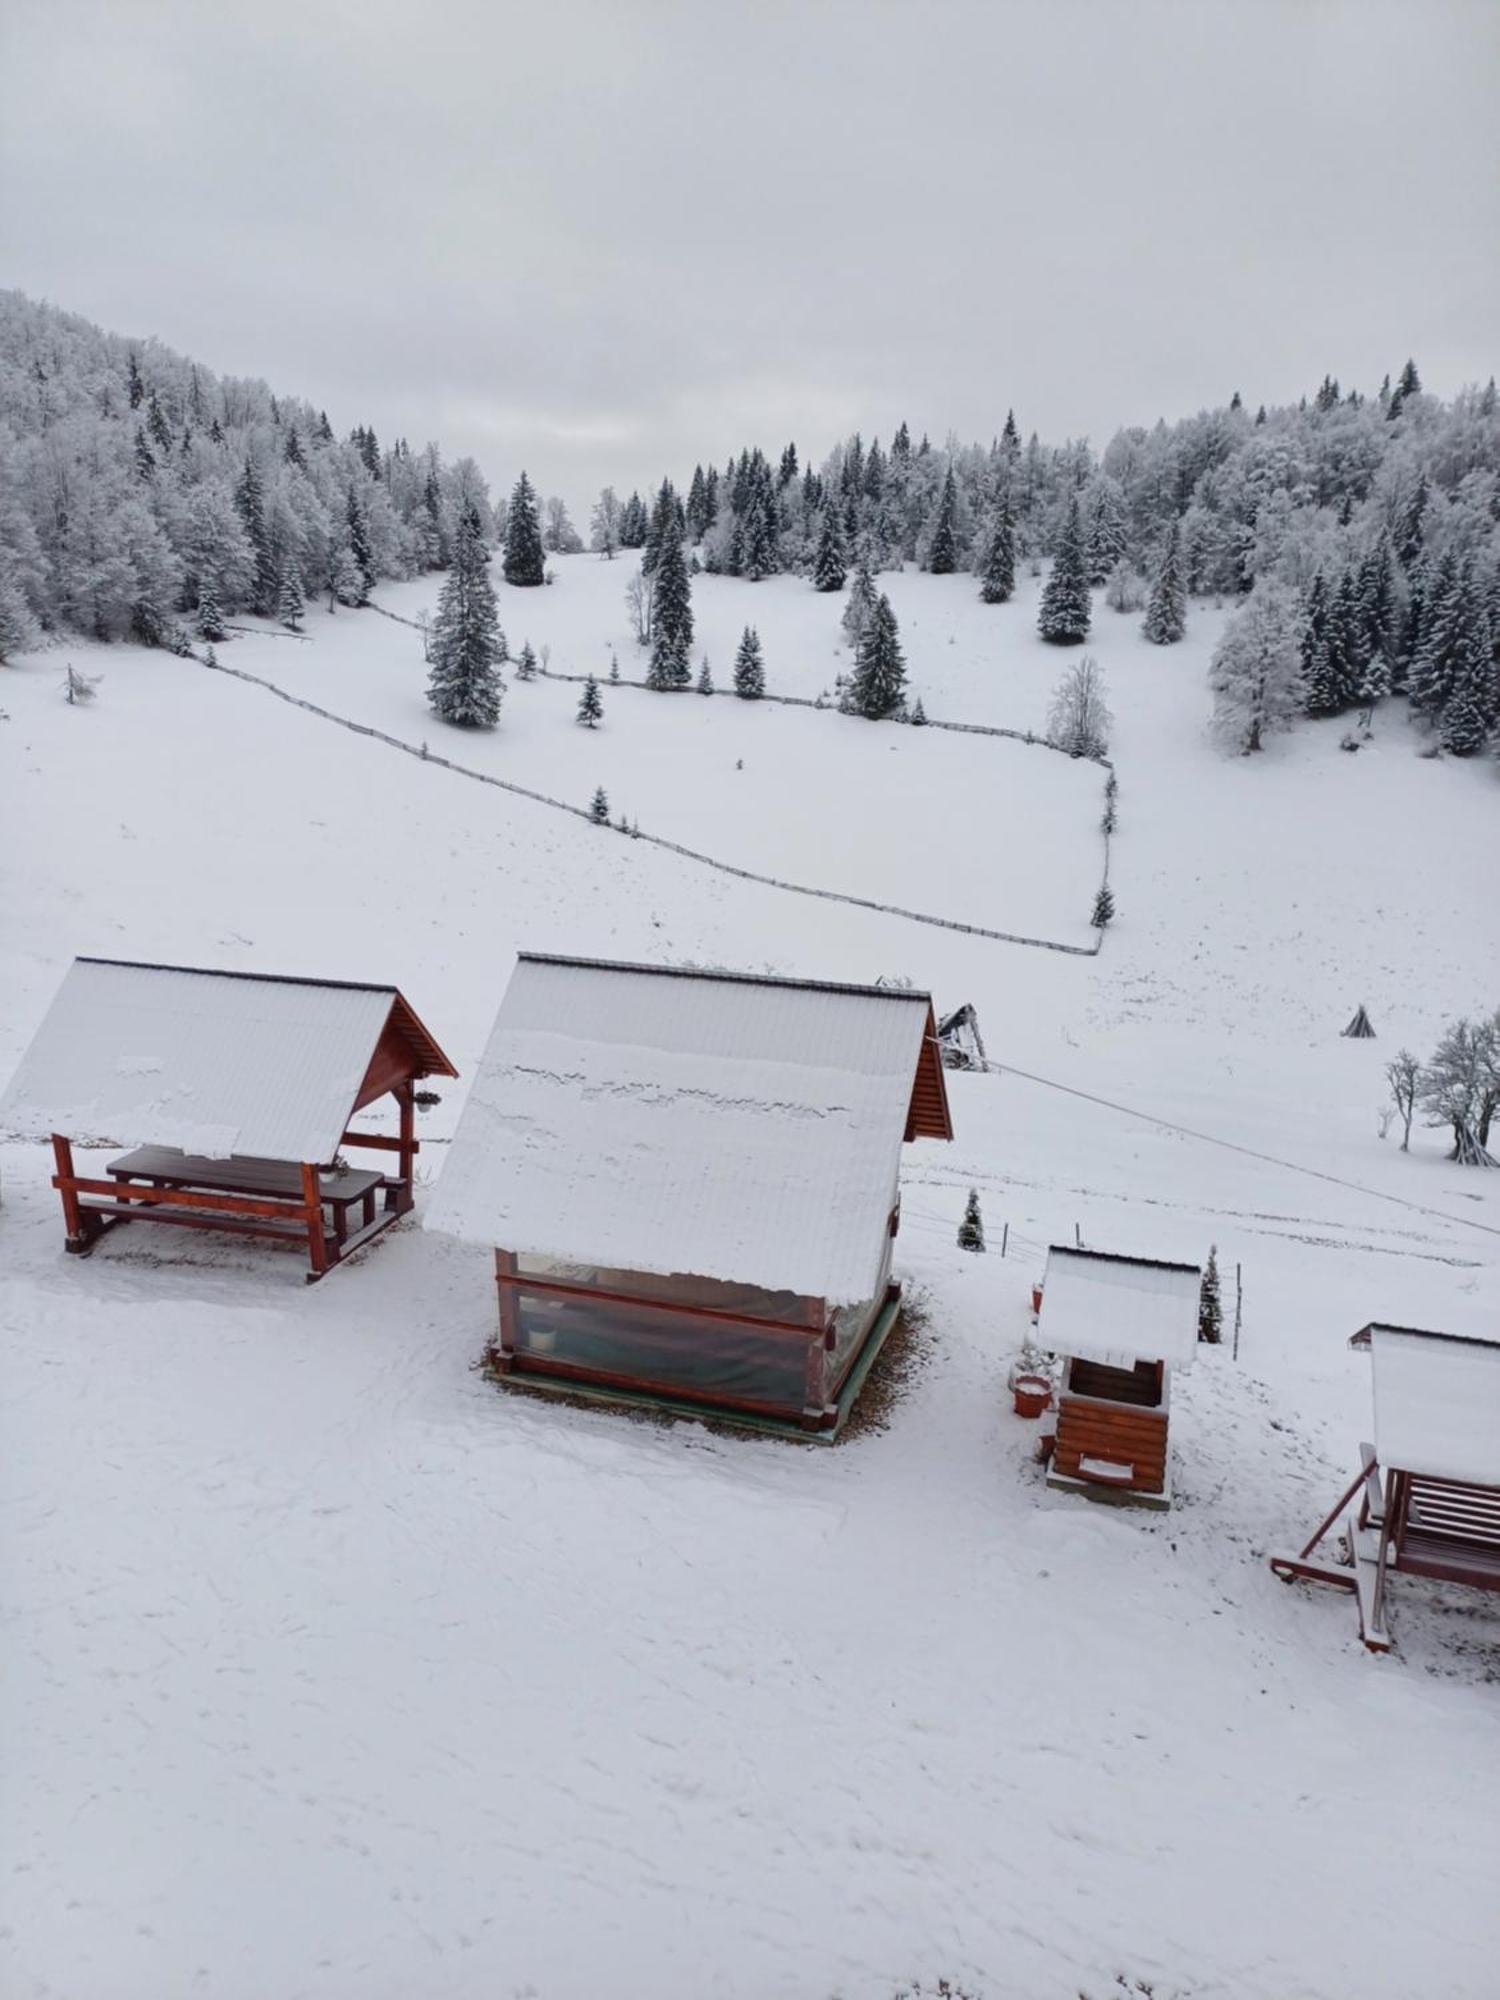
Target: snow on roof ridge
column 724, row 974
column 1115, row 1257
column 221, row 972
column 1362, row 1338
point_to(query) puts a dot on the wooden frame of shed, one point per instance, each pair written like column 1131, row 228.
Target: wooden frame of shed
column 1119, row 1326
column 702, row 1128
column 1429, row 1486
column 234, row 1057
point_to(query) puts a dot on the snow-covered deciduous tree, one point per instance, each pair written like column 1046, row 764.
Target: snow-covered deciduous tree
column 1079, row 719
column 1403, row 1075
column 971, row 1228
column 1166, row 613
column 346, row 581
column 1066, row 607
column 604, row 525
column 466, row 648
column 671, row 618
column 640, row 597
column 749, row 667
column 1460, row 1087
column 591, row 704
column 559, row 536
column 1125, row 588
column 877, row 687
column 860, row 608
column 1256, row 671
column 525, row 562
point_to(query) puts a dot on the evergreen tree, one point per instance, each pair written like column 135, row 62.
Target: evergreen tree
column 591, row 704
column 830, row 566
column 671, row 619
column 210, row 615
column 136, row 386
column 758, row 529
column 1469, row 709
column 878, row 684
column 359, row 543
column 599, row 807
column 705, row 681
column 526, row 664
column 466, row 647
column 1377, row 598
column 942, row 547
column 860, row 609
column 145, row 458
column 524, row 563
column 249, row 498
column 918, row 714
column 156, row 423
column 346, row 582
column 633, row 523
column 1322, row 677
column 971, row 1229
column 1107, row 539
column 1066, row 606
column 664, row 521
column 293, row 450
column 749, row 667
column 1103, row 914
column 1412, row 527
column 1445, row 612
column 1010, row 437
column 998, row 574
column 289, row 603
column 1210, row 1312
column 1166, row 613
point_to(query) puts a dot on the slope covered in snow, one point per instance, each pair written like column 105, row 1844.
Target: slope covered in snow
column 340, row 1674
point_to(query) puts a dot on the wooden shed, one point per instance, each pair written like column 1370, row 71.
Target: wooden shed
column 1429, row 1485
column 1120, row 1326
column 690, row 1180
column 234, row 1092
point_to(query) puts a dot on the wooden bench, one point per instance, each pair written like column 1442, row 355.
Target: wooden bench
column 246, row 1196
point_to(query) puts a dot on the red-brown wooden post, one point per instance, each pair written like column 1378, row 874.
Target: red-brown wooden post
column 312, row 1201
column 405, row 1097
column 62, row 1153
column 815, row 1393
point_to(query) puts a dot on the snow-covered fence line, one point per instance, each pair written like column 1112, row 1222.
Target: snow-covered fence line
column 426, row 756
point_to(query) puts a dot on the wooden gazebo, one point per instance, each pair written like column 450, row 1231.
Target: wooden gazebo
column 1119, row 1326
column 690, row 1181
column 1429, row 1486
column 234, row 1091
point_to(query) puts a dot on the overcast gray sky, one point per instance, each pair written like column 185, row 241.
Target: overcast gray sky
column 603, row 240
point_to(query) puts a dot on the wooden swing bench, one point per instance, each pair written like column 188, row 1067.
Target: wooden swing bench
column 1422, row 1523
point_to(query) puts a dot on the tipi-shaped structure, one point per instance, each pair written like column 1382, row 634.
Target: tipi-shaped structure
column 1360, row 1027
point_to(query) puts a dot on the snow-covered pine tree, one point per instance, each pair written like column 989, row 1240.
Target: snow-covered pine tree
column 918, row 714
column 526, row 668
column 1256, row 671
column 358, row 526
column 525, row 563
column 860, row 608
column 1453, row 609
column 1210, row 1310
column 1103, row 914
column 671, row 619
column 1324, row 681
column 1107, row 539
column 591, row 704
column 599, row 807
column 877, row 686
column 1468, row 714
column 997, row 575
column 249, row 498
column 210, row 614
column 942, row 544
column 1166, row 612
column 1066, row 607
column 466, row 649
column 705, row 681
column 346, row 580
column 290, row 603
column 749, row 667
column 971, row 1229
column 830, row 565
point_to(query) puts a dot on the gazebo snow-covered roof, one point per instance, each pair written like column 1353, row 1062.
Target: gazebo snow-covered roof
column 1437, row 1402
column 677, row 1121
column 1119, row 1310
column 216, row 1063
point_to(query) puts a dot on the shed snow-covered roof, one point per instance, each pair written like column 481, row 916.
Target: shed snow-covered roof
column 1437, row 1402
column 213, row 1062
column 1119, row 1310
column 681, row 1122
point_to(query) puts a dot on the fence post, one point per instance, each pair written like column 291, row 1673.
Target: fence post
column 1238, row 1297
column 1004, row 1238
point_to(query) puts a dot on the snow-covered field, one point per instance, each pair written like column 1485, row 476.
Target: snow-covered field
column 333, row 1673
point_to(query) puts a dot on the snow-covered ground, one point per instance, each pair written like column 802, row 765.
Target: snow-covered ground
column 332, row 1672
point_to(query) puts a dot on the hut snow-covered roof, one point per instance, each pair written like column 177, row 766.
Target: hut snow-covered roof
column 1119, row 1310
column 1437, row 1402
column 212, row 1062
column 678, row 1121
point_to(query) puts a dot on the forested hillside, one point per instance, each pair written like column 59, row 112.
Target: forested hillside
column 143, row 496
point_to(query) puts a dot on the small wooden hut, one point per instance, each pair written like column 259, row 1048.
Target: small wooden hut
column 235, row 1092
column 691, row 1179
column 1119, row 1326
column 1429, row 1486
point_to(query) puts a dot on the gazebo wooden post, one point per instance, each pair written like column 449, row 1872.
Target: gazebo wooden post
column 312, row 1201
column 407, row 1144
column 1394, row 1485
column 505, row 1266
column 62, row 1153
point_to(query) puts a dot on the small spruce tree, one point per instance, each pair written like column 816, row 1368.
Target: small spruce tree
column 749, row 667
column 877, row 687
column 1104, row 909
column 210, row 612
column 971, row 1229
column 590, row 704
column 830, row 565
column 1210, row 1311
column 290, row 606
column 464, row 686
column 942, row 546
column 705, row 681
column 997, row 576
column 671, row 619
column 526, row 663
column 1166, row 613
column 599, row 807
column 918, row 713
column 1066, row 607
column 525, row 562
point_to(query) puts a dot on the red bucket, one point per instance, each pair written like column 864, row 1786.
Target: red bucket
column 1033, row 1395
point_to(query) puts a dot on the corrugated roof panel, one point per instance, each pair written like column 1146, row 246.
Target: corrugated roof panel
column 1119, row 1310
column 1437, row 1404
column 208, row 1061
column 729, row 1129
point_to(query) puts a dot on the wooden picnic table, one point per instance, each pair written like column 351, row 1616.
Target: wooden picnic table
column 339, row 1188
